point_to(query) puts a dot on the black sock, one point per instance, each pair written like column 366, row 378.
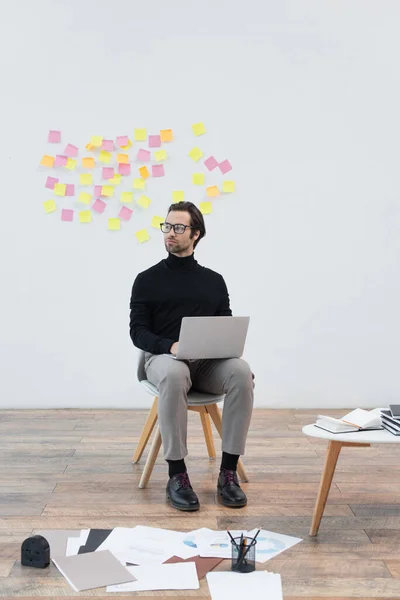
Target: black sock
column 229, row 461
column 176, row 466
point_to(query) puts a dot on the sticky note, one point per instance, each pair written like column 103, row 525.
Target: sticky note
column 97, row 190
column 129, row 145
column 86, row 179
column 178, row 196
column 124, row 169
column 206, row 208
column 50, row 182
column 140, row 135
column 89, row 147
column 122, row 140
column 225, row 166
column 67, row 214
column 50, row 206
column 71, row 150
column 198, row 129
column 107, row 190
column 47, row 161
column 142, row 236
column 156, row 222
column 60, row 189
column 139, row 184
column 166, row 135
column 84, row 197
column 116, row 180
column 107, row 145
column 196, row 154
column 127, row 197
column 54, row 136
column 144, row 172
column 96, row 141
column 160, row 155
column 85, row 216
column 99, row 206
column 60, row 160
column 144, row 201
column 154, row 141
column 211, row 163
column 70, row 189
column 71, row 164
column 198, row 178
column 228, row 187
column 107, row 172
column 123, row 158
column 143, row 155
column 125, row 213
column 212, row 191
column 88, row 162
column 104, row 156
column 157, row 170
column 114, row 224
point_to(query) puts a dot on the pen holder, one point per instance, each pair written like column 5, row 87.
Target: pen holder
column 244, row 555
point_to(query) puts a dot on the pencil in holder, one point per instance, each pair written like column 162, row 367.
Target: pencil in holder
column 244, row 554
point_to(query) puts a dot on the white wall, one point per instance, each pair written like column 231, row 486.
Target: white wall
column 303, row 98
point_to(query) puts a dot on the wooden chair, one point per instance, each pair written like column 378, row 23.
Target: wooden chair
column 204, row 404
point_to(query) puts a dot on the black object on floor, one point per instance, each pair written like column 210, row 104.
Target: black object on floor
column 35, row 552
column 95, row 538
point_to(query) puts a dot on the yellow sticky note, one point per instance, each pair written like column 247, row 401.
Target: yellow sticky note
column 228, row 186
column 88, row 162
column 107, row 190
column 116, row 180
column 144, row 201
column 86, row 179
column 104, row 157
column 96, row 141
column 206, row 208
column 142, row 236
column 166, row 135
column 128, row 146
column 212, row 191
column 139, row 184
column 89, row 146
column 160, row 155
column 85, row 198
column 198, row 129
column 196, row 154
column 178, row 196
column 144, row 172
column 47, row 161
column 123, row 158
column 114, row 224
column 85, row 216
column 60, row 189
column 156, row 222
column 140, row 135
column 71, row 164
column 49, row 206
column 127, row 197
column 198, row 178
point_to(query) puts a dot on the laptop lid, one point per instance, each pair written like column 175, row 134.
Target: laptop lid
column 212, row 337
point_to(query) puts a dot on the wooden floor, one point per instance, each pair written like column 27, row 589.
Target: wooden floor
column 71, row 469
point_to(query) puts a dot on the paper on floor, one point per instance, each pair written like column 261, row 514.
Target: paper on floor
column 270, row 544
column 178, row 576
column 236, row 586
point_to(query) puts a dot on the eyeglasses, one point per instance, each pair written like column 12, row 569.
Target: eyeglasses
column 178, row 228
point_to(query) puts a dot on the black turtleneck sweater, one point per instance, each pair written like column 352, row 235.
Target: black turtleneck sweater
column 170, row 290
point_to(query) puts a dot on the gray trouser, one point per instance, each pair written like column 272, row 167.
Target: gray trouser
column 174, row 378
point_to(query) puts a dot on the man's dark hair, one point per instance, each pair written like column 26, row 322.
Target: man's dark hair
column 196, row 218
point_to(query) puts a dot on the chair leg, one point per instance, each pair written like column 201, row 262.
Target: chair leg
column 146, row 432
column 151, row 459
column 205, row 421
column 216, row 416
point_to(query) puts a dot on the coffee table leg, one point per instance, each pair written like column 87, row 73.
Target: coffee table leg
column 332, row 455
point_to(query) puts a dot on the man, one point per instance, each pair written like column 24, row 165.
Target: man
column 175, row 288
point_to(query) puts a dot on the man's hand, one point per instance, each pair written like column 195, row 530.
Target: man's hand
column 174, row 348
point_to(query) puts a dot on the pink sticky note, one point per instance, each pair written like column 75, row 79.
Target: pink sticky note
column 125, row 213
column 154, row 141
column 97, row 190
column 107, row 172
column 71, row 150
column 60, row 160
column 124, row 169
column 122, row 140
column 143, row 155
column 225, row 166
column 211, row 163
column 99, row 206
column 157, row 170
column 54, row 136
column 107, row 145
column 67, row 214
column 50, row 182
column 70, row 189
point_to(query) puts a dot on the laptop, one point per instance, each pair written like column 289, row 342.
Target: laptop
column 212, row 337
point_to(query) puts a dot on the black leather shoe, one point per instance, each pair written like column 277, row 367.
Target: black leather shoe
column 181, row 494
column 229, row 491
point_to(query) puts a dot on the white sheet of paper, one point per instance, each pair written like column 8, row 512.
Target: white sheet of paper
column 217, row 543
column 270, row 544
column 178, row 576
column 144, row 552
column 189, row 544
column 74, row 543
column 236, row 586
column 119, row 539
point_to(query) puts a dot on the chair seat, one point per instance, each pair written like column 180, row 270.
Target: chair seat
column 194, row 398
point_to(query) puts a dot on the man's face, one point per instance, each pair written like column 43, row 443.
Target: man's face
column 180, row 244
